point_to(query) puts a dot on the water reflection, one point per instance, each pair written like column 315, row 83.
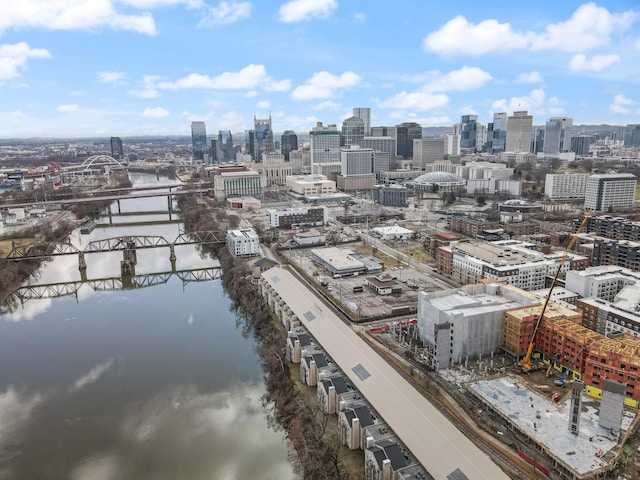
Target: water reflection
column 183, row 433
column 145, row 383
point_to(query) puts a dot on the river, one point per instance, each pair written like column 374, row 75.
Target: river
column 139, row 383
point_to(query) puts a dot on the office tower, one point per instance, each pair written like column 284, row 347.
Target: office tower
column 325, row 144
column 352, row 132
column 496, row 134
column 226, row 151
column 468, row 127
column 427, row 151
column 356, row 161
column 538, row 140
column 249, row 143
column 289, row 141
column 519, row 127
column 214, row 153
column 365, row 114
column 632, row 136
column 580, row 144
column 383, row 144
column 383, row 132
column 406, row 133
column 199, row 140
column 263, row 137
column 452, row 144
column 565, row 186
column 615, row 191
column 557, row 134
column 117, row 151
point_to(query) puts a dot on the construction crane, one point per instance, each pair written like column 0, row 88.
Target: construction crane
column 560, row 382
column 525, row 363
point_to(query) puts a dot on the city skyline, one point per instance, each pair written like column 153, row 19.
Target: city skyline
column 152, row 67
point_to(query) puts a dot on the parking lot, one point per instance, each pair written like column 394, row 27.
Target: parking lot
column 363, row 303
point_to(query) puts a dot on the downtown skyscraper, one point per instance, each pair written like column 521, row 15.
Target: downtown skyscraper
column 199, row 140
column 519, row 129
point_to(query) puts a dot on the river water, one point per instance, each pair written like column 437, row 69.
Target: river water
column 148, row 383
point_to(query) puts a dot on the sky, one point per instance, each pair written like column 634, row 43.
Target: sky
column 77, row 68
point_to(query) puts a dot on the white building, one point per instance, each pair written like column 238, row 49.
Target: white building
column 604, row 282
column 232, row 184
column 565, row 186
column 491, row 186
column 464, row 323
column 243, row 242
column 614, row 190
column 394, row 232
column 325, row 144
column 356, row 161
column 311, row 185
column 427, row 151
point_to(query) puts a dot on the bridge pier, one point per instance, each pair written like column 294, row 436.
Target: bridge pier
column 118, row 201
column 82, row 266
column 109, row 214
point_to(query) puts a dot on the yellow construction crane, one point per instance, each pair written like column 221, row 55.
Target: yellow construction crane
column 525, row 363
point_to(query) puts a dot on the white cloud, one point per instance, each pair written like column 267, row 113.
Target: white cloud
column 580, row 62
column 77, row 93
column 251, row 94
column 16, row 410
column 299, row 10
column 67, row 108
column 250, row 77
column 589, row 27
column 458, row 36
column 73, row 15
column 534, row 103
column 419, row 101
column 13, row 57
column 359, row 17
column 91, row 376
column 328, row 105
column 529, row 77
column 324, row 85
column 110, row 77
column 621, row 104
column 149, row 89
column 637, row 44
column 226, row 13
column 264, row 104
column 466, row 78
column 150, row 4
column 157, row 112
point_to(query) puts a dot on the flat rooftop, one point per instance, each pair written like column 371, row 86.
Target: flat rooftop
column 522, row 406
column 470, row 305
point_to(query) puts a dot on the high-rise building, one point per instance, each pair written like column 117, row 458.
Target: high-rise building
column 365, row 114
column 199, row 140
column 580, row 144
column 383, row 132
column 537, row 141
column 249, row 143
column 263, row 142
column 468, row 130
column 325, row 144
column 557, row 134
column 406, row 133
column 214, row 154
column 383, row 144
column 356, row 161
column 427, row 151
column 519, row 128
column 117, row 151
column 565, row 186
column 352, row 132
column 226, row 151
column 632, row 136
column 615, row 191
column 289, row 141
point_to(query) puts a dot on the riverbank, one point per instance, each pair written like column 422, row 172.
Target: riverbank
column 320, row 453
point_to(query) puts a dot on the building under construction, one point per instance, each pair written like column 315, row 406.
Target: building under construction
column 563, row 342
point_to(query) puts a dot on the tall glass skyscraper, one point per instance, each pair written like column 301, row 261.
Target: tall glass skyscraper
column 263, row 137
column 468, row 132
column 365, row 114
column 225, row 146
column 352, row 132
column 117, row 151
column 289, row 142
column 557, row 135
column 199, row 140
column 406, row 133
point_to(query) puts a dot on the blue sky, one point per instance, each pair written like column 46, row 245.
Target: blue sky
column 73, row 68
